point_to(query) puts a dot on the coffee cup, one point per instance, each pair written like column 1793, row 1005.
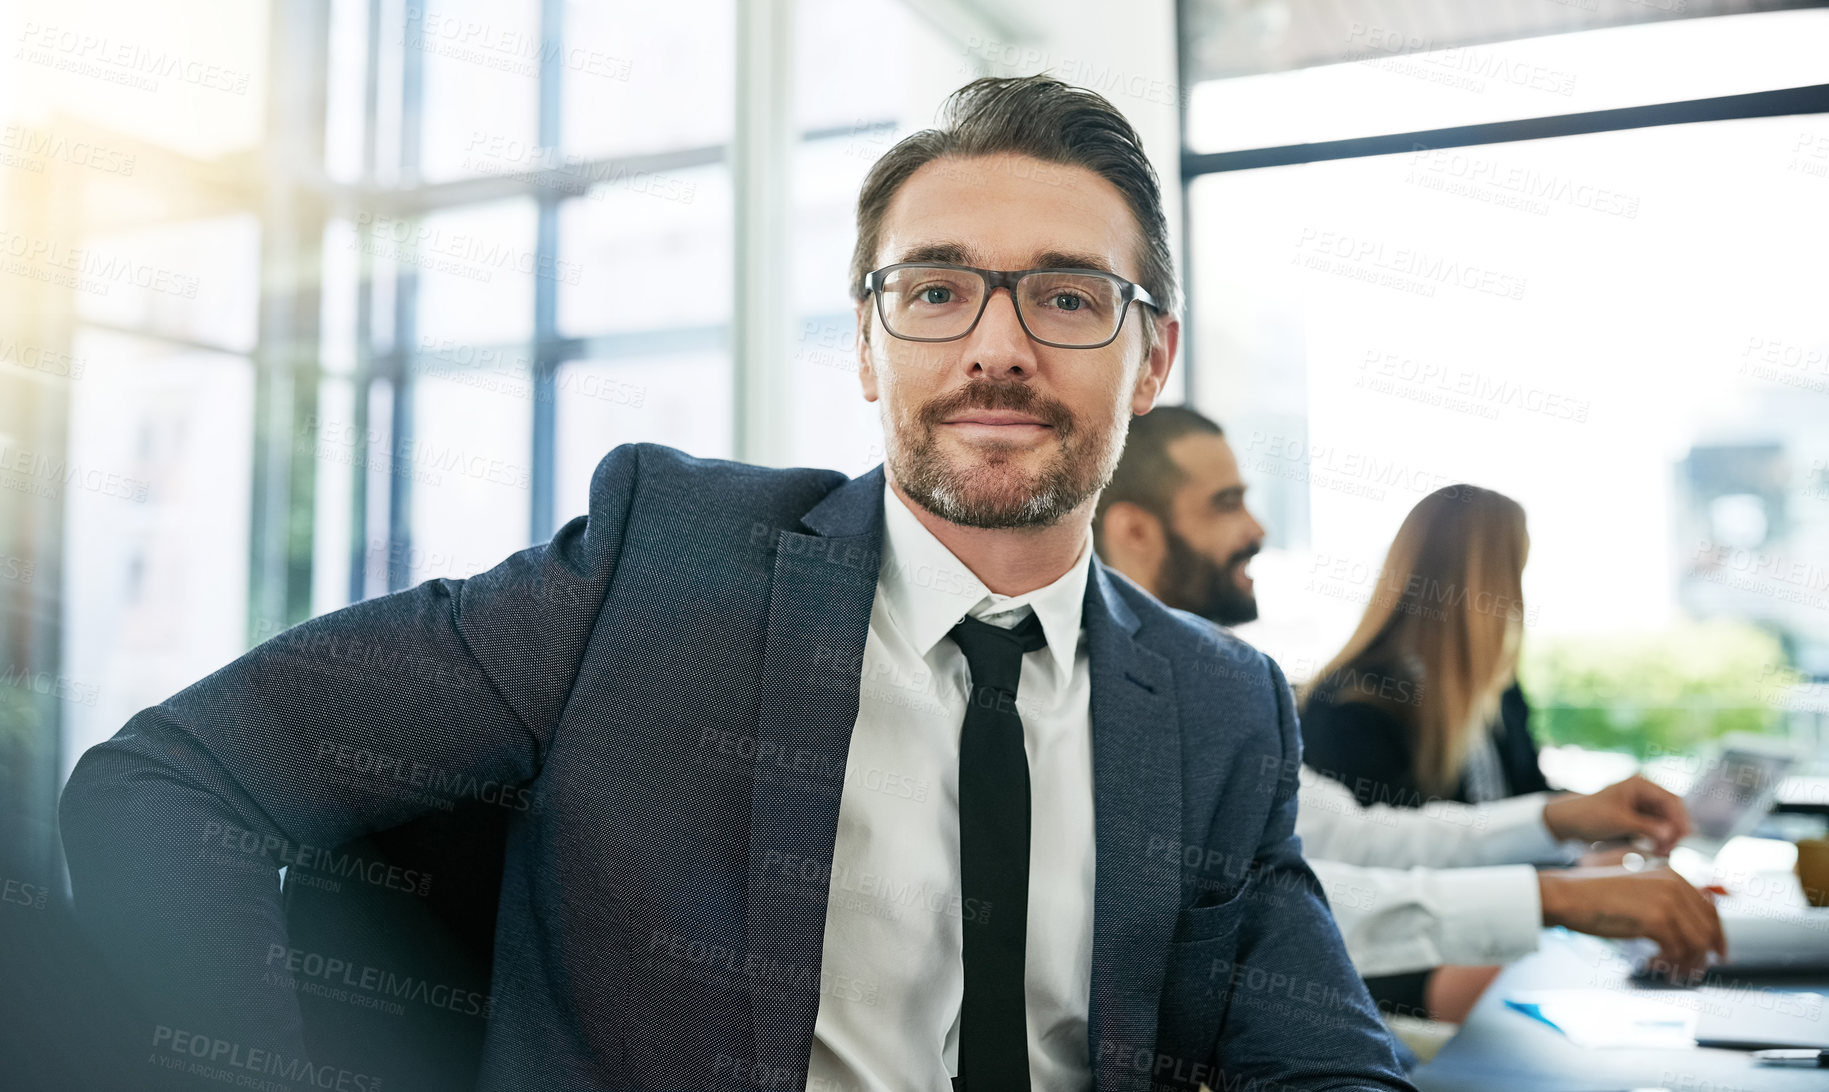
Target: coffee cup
column 1813, row 869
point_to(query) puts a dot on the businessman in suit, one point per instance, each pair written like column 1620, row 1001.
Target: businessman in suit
column 881, row 783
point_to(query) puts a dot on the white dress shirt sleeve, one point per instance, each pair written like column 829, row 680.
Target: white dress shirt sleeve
column 1441, row 834
column 1395, row 921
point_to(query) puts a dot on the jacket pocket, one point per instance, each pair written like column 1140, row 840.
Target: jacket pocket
column 1200, row 923
column 1196, row 990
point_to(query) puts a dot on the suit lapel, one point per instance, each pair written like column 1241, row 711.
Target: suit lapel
column 1136, row 779
column 818, row 620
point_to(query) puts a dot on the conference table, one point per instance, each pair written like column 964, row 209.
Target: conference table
column 1500, row 1048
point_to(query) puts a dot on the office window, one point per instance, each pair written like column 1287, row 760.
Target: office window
column 467, row 470
column 646, row 250
column 155, row 490
column 475, row 266
column 644, row 78
column 851, row 105
column 1389, row 81
column 1621, row 330
column 481, row 63
column 679, row 398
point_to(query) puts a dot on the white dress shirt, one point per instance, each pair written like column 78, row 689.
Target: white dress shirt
column 892, row 976
column 1413, row 888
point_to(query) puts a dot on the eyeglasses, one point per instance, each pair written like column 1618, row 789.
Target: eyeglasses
column 1065, row 308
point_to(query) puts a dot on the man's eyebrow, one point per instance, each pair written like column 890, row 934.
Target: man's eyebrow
column 1228, row 494
column 961, row 254
column 1070, row 259
column 953, row 253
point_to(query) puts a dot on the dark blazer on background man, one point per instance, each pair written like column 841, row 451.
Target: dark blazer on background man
column 660, row 700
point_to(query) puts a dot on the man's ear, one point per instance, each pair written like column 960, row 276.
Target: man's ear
column 866, row 372
column 1154, row 373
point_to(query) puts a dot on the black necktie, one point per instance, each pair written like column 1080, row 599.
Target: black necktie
column 994, row 856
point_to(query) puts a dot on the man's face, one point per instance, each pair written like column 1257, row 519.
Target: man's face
column 1211, row 537
column 994, row 429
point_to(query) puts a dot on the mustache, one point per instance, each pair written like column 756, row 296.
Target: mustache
column 1014, row 397
column 1243, row 556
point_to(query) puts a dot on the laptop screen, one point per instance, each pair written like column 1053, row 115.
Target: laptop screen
column 1734, row 792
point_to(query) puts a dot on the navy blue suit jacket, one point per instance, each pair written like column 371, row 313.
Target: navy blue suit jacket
column 660, row 700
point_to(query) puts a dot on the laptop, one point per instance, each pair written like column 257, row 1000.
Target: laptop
column 1769, row 926
column 1736, row 790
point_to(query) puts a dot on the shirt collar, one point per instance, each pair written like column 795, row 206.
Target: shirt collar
column 928, row 589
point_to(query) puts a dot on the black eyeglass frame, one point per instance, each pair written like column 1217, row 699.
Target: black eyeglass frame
column 1007, row 278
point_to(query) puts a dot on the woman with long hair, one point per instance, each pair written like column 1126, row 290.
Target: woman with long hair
column 1422, row 703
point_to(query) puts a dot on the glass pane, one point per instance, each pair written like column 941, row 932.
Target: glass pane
column 338, row 302
column 159, row 73
column 647, row 254
column 836, row 83
column 866, row 100
column 346, row 90
column 482, row 79
column 681, row 400
column 1604, row 327
column 648, row 77
column 336, row 470
column 469, row 464
column 837, row 428
column 198, row 280
column 156, row 488
column 476, row 267
column 374, row 447
column 1387, row 90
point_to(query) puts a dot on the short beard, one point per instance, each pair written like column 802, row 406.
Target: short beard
column 993, row 495
column 1190, row 581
